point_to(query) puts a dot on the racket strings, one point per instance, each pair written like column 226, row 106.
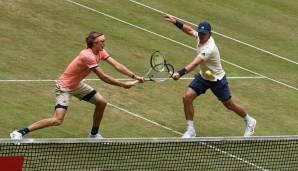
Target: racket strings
column 160, row 70
column 158, row 61
column 159, row 76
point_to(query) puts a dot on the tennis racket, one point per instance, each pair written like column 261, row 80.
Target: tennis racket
column 160, row 70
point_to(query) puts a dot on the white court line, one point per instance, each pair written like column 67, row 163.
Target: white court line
column 179, row 133
column 121, row 79
column 225, row 36
column 156, row 34
column 148, row 120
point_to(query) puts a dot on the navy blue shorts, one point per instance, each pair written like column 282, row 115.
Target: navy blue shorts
column 220, row 88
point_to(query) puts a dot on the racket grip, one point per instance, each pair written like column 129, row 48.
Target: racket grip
column 135, row 82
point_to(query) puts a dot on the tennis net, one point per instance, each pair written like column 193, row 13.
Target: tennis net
column 170, row 154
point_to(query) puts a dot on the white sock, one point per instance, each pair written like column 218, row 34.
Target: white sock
column 189, row 124
column 247, row 117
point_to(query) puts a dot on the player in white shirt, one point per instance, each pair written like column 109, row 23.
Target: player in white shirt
column 208, row 58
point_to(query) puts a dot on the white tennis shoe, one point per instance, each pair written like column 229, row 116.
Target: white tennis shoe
column 15, row 135
column 190, row 133
column 250, row 127
column 96, row 136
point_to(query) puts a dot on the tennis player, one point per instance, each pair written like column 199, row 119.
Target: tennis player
column 70, row 83
column 208, row 58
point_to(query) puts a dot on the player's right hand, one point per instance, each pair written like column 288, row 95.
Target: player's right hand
column 170, row 18
column 176, row 76
column 128, row 84
column 139, row 79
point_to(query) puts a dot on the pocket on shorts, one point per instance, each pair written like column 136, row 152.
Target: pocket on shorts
column 223, row 82
column 58, row 91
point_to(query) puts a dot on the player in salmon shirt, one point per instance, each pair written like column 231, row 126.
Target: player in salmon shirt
column 70, row 83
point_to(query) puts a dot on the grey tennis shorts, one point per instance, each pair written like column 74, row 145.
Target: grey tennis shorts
column 84, row 92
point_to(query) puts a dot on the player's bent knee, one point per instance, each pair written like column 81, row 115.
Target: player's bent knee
column 101, row 103
column 104, row 101
column 187, row 98
column 98, row 100
column 56, row 121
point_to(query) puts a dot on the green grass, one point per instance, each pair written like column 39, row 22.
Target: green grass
column 39, row 38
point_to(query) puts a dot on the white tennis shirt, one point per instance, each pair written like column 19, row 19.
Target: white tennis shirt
column 210, row 53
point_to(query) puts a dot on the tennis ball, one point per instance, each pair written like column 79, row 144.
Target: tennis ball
column 208, row 73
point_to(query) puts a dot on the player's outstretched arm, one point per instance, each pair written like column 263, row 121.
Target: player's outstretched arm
column 110, row 80
column 191, row 66
column 122, row 69
column 184, row 27
column 194, row 63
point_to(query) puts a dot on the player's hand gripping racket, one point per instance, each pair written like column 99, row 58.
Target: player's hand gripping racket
column 160, row 70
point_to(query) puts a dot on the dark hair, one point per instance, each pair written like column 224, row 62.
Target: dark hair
column 91, row 37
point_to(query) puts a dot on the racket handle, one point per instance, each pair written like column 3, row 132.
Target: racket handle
column 135, row 82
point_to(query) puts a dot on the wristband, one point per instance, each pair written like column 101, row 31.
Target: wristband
column 182, row 72
column 133, row 76
column 178, row 24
